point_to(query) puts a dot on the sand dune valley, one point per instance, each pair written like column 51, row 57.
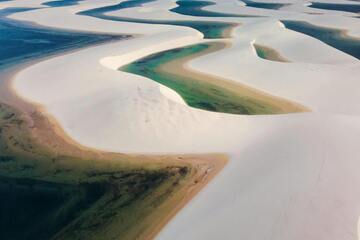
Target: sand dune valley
column 180, row 119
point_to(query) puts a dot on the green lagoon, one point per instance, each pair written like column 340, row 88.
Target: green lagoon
column 200, row 90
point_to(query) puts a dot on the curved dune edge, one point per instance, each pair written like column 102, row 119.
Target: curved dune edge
column 252, row 230
column 181, row 67
column 268, row 53
column 203, row 168
column 46, row 130
column 346, row 43
column 45, row 134
column 115, row 62
column 171, row 94
column 42, row 136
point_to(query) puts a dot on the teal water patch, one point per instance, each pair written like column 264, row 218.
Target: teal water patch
column 331, row 36
column 148, row 67
column 7, row 11
column 264, row 5
column 202, row 94
column 100, row 12
column 209, row 29
column 352, row 8
column 21, row 41
column 260, row 52
column 61, row 3
column 195, row 8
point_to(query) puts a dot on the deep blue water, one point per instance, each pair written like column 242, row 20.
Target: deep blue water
column 210, row 29
column 330, row 36
column 353, row 8
column 274, row 6
column 22, row 41
column 61, row 3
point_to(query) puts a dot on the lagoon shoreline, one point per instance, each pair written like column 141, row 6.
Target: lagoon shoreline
column 43, row 134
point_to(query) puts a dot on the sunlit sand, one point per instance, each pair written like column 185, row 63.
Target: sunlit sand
column 188, row 120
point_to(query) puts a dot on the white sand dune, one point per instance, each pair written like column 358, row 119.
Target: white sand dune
column 295, row 181
column 290, row 176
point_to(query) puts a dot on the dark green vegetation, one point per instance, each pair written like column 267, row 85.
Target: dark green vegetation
column 210, row 29
column 334, row 37
column 56, row 191
column 202, row 91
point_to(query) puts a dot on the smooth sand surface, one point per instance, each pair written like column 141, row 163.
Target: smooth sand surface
column 289, row 176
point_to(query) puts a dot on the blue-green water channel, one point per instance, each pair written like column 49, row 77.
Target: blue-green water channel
column 200, row 92
column 22, row 42
column 195, row 8
column 211, row 96
column 331, row 36
column 353, row 8
column 61, row 3
column 267, row 5
column 210, row 29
